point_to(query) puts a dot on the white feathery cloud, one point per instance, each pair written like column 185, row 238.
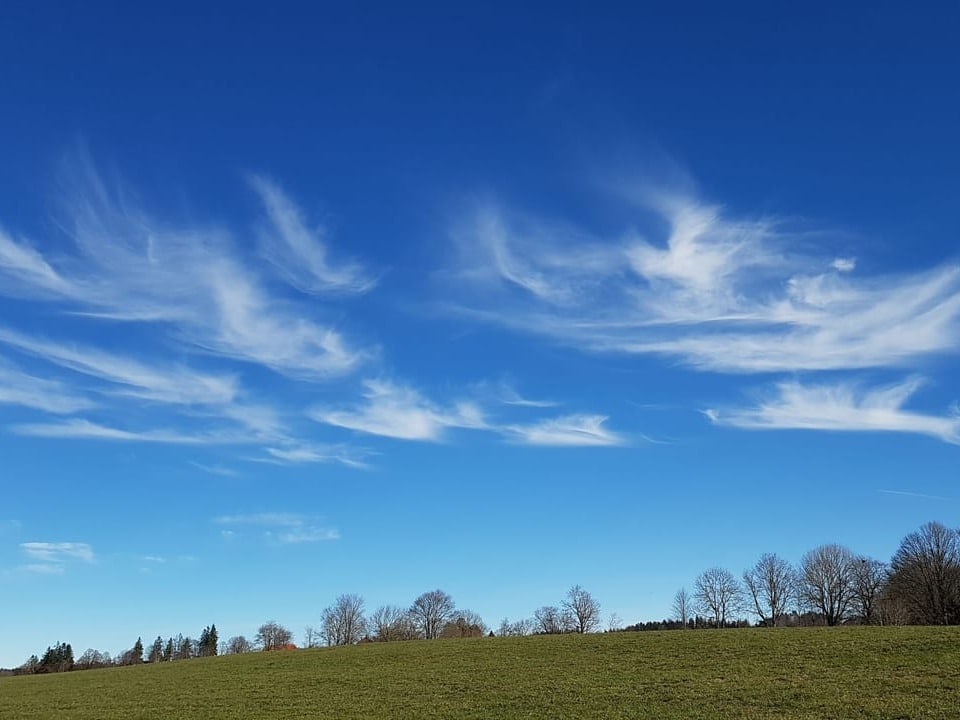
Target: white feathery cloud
column 57, row 552
column 842, row 407
column 284, row 528
column 717, row 292
column 168, row 384
column 566, row 431
column 844, row 264
column 306, row 453
column 43, row 568
column 220, row 470
column 81, row 429
column 26, row 270
column 129, row 266
column 300, row 254
column 401, row 412
column 20, row 388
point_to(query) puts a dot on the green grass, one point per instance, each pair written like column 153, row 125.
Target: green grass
column 756, row 673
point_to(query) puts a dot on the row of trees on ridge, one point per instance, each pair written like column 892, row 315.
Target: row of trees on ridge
column 831, row 586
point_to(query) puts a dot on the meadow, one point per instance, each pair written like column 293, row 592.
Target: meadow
column 867, row 672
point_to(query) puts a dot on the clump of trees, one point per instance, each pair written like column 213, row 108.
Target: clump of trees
column 273, row 636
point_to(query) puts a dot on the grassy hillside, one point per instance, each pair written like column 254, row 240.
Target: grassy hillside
column 755, row 673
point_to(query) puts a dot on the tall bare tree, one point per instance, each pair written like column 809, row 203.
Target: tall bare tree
column 826, row 582
column 717, row 594
column 430, row 612
column 682, row 605
column 584, row 609
column 869, row 581
column 344, row 622
column 925, row 574
column 771, row 586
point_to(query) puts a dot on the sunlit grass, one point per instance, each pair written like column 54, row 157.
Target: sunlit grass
column 751, row 673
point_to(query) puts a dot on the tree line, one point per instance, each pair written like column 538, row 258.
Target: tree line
column 831, row 586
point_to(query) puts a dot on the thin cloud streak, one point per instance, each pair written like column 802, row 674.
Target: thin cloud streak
column 25, row 390
column 299, row 254
column 43, row 568
column 566, row 431
column 841, row 407
column 80, row 429
column 176, row 385
column 283, row 528
column 58, row 552
column 401, row 412
column 923, row 496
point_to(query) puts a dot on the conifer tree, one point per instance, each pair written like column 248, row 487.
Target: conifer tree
column 156, row 651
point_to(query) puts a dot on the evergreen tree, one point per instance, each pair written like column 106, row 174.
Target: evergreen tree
column 207, row 645
column 156, row 651
column 58, row 658
column 184, row 648
column 136, row 654
column 168, row 651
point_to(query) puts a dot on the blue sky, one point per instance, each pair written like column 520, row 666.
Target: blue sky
column 300, row 301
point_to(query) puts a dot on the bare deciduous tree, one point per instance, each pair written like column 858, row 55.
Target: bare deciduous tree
column 584, row 609
column 273, row 636
column 343, row 622
column 464, row 624
column 311, row 637
column 826, row 582
column 682, row 605
column 551, row 620
column 237, row 645
column 771, row 585
column 869, row 581
column 430, row 612
column 390, row 623
column 925, row 574
column 717, row 594
column 517, row 628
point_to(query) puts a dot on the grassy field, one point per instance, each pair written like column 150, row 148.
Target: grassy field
column 754, row 673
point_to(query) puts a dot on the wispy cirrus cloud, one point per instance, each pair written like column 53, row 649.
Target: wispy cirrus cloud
column 922, row 496
column 718, row 292
column 306, row 453
column 300, row 254
column 398, row 411
column 842, row 406
column 566, row 431
column 283, row 528
column 21, row 388
column 220, row 470
column 177, row 314
column 402, row 412
column 168, row 384
column 80, row 429
column 129, row 266
column 51, row 558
